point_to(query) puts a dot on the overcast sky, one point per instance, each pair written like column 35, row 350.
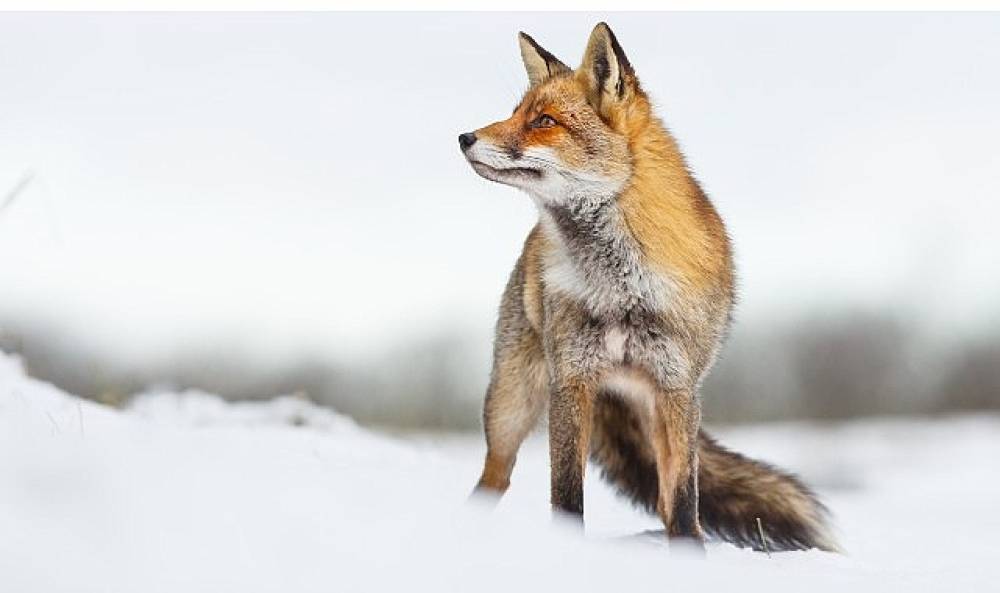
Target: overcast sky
column 294, row 181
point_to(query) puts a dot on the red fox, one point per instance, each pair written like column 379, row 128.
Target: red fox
column 616, row 309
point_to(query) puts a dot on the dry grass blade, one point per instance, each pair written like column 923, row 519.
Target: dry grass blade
column 763, row 540
column 17, row 190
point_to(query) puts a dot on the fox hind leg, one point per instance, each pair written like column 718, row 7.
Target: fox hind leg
column 674, row 433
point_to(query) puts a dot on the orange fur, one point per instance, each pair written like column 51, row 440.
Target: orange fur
column 677, row 227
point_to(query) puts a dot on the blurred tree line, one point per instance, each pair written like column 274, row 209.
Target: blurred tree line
column 837, row 366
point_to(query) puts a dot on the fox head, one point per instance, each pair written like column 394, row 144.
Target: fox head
column 571, row 134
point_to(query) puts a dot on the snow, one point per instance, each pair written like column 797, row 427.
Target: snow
column 186, row 492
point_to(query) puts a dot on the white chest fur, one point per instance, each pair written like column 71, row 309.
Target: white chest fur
column 615, row 341
column 604, row 289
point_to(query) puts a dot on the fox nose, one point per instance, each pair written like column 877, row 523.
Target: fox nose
column 466, row 140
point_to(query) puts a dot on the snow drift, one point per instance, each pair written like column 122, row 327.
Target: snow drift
column 186, row 492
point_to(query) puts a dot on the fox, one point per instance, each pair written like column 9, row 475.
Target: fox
column 616, row 310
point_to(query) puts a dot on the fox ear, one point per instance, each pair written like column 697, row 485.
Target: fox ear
column 539, row 63
column 606, row 71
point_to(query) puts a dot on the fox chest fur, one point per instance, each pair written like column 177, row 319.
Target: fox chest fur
column 605, row 312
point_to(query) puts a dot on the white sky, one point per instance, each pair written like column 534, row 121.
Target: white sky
column 293, row 181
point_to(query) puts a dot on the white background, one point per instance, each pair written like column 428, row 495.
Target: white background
column 292, row 182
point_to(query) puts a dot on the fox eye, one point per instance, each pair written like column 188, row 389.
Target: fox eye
column 544, row 121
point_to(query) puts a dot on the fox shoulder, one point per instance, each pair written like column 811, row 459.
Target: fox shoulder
column 677, row 227
column 532, row 289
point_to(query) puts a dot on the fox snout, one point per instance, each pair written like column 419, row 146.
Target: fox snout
column 466, row 140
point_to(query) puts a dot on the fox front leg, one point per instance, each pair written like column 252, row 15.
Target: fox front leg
column 570, row 418
column 515, row 400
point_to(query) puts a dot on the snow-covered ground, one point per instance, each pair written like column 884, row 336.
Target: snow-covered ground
column 184, row 492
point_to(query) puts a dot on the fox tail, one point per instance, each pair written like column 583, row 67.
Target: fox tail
column 734, row 491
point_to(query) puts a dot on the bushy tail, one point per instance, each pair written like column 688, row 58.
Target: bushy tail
column 734, row 491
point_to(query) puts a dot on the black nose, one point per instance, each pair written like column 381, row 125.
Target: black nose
column 466, row 140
